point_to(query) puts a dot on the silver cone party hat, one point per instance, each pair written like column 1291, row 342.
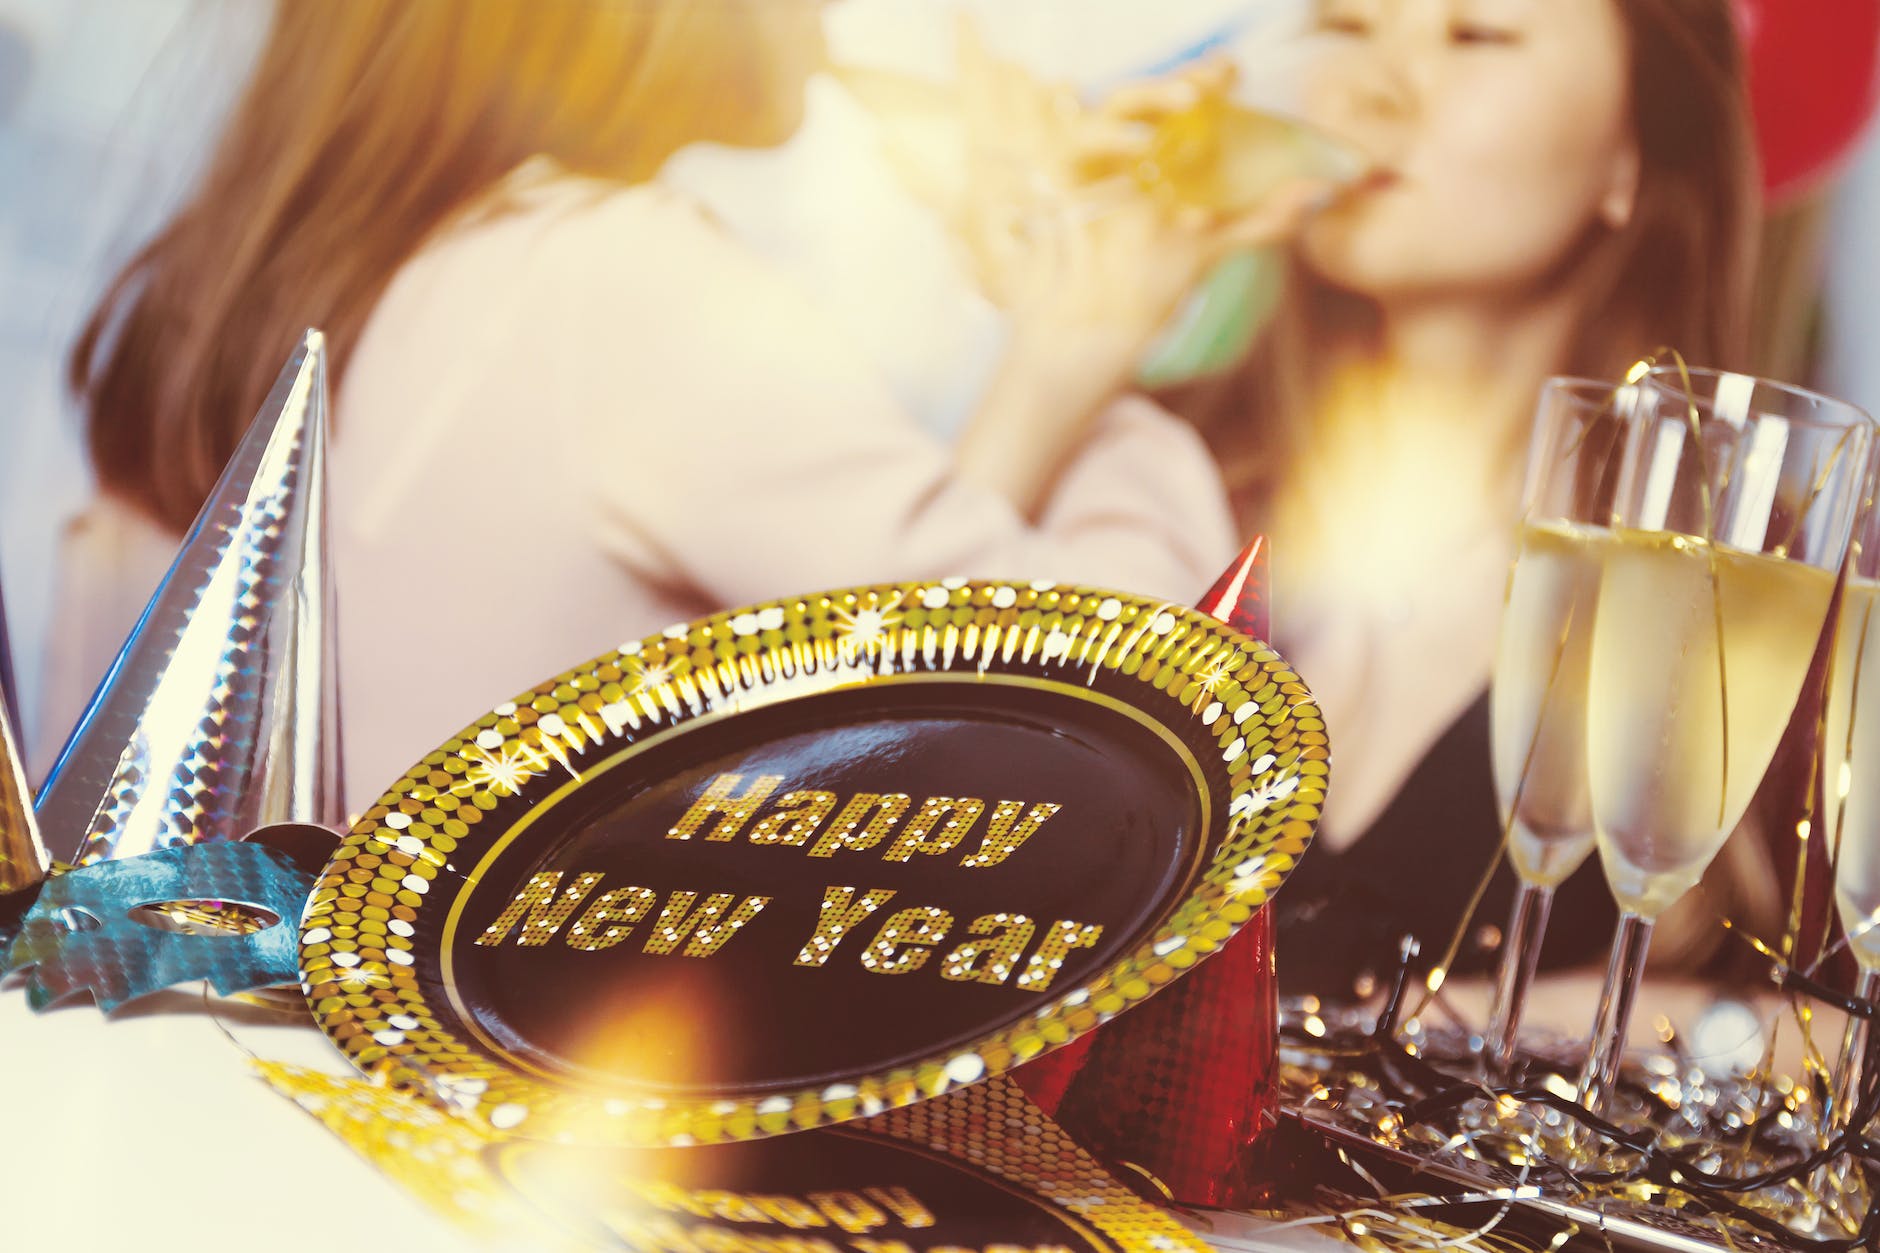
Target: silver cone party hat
column 9, row 689
column 220, row 714
column 23, row 860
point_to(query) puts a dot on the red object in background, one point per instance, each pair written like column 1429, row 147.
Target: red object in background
column 1182, row 1085
column 1814, row 81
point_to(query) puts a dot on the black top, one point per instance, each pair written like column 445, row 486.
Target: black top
column 1341, row 914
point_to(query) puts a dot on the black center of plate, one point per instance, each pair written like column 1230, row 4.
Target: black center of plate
column 1121, row 848
column 821, row 1186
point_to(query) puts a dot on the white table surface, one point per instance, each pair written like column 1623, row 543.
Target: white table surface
column 149, row 1131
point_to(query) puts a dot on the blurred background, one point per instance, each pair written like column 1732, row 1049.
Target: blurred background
column 108, row 108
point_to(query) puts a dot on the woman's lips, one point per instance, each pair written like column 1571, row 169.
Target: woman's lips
column 1374, row 180
column 1378, row 178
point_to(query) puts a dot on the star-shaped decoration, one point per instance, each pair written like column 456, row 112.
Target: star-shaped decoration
column 1216, row 675
column 502, row 769
column 867, row 629
column 644, row 676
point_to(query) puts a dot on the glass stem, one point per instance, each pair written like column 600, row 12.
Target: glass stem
column 1856, row 1056
column 1527, row 924
column 1607, row 1047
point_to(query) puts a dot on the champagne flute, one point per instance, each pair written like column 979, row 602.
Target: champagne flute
column 1537, row 699
column 1733, row 515
column 1850, row 758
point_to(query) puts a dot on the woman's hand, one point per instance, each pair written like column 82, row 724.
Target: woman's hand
column 1072, row 226
column 1097, row 220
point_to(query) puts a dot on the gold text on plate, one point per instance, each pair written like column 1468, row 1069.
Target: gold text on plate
column 992, row 947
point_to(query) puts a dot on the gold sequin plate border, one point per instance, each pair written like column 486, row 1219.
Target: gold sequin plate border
column 359, row 958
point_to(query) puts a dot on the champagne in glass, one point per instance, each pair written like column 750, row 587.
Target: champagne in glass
column 1700, row 654
column 1735, row 506
column 1539, row 699
column 1853, row 755
column 1850, row 756
column 1538, row 695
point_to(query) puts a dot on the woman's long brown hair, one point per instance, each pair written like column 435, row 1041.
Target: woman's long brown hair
column 366, row 125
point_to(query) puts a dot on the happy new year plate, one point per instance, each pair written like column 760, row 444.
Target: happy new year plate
column 814, row 859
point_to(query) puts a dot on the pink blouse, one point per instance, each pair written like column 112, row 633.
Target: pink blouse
column 581, row 420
